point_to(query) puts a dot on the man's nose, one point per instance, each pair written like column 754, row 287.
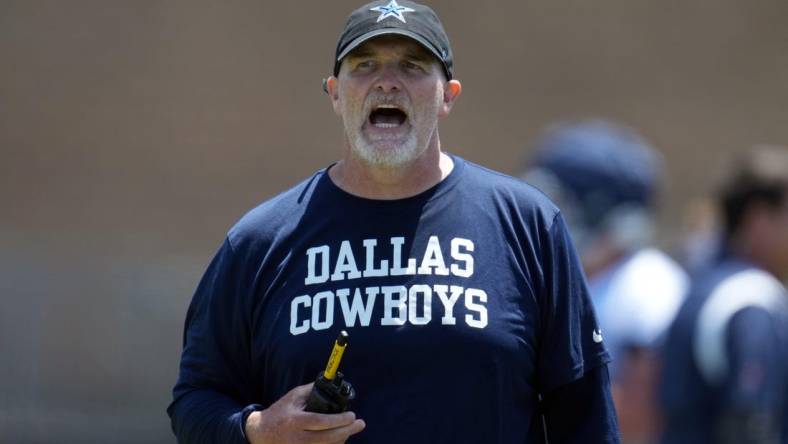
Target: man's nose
column 388, row 79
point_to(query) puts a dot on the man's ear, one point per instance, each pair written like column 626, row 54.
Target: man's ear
column 451, row 90
column 331, row 87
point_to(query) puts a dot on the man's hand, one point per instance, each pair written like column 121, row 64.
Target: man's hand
column 286, row 422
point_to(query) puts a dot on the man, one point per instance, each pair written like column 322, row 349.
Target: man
column 726, row 358
column 459, row 287
column 604, row 177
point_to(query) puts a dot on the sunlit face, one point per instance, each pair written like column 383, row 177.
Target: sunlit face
column 390, row 94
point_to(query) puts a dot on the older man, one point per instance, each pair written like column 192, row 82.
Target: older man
column 467, row 308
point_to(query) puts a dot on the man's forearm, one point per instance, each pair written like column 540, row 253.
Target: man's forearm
column 206, row 416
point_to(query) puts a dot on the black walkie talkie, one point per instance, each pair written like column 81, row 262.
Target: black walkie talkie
column 331, row 392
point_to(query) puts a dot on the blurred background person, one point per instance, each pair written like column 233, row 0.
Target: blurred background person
column 726, row 357
column 604, row 177
column 701, row 237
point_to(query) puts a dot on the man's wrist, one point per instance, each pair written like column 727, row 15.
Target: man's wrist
column 250, row 420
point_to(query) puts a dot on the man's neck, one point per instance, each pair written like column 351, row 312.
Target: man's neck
column 385, row 183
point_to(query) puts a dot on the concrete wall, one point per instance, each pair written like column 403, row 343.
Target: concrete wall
column 134, row 133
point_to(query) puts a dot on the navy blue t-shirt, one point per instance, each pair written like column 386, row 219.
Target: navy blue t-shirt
column 462, row 303
column 726, row 354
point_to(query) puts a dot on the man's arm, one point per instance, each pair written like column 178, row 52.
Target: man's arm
column 215, row 389
column 753, row 393
column 214, row 400
column 208, row 416
column 581, row 411
column 572, row 373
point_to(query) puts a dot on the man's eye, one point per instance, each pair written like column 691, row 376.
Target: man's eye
column 365, row 64
column 411, row 66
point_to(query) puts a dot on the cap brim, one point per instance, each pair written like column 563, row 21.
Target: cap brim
column 387, row 31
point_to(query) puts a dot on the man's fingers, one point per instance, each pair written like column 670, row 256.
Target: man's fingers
column 337, row 435
column 323, row 421
column 299, row 395
column 302, row 391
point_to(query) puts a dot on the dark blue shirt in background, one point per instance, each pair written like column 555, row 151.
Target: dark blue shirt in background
column 727, row 355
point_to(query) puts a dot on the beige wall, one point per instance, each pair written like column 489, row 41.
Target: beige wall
column 134, row 133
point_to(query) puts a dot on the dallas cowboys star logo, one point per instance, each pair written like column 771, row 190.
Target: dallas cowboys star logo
column 391, row 10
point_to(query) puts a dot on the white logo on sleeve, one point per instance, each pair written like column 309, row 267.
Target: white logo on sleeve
column 597, row 335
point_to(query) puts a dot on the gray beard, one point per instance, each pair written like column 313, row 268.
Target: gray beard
column 386, row 158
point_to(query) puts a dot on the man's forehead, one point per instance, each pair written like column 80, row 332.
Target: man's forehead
column 392, row 44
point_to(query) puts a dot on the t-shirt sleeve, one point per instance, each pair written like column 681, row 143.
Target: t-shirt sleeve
column 211, row 398
column 571, row 342
column 582, row 411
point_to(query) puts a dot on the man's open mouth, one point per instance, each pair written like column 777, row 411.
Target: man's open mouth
column 387, row 116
